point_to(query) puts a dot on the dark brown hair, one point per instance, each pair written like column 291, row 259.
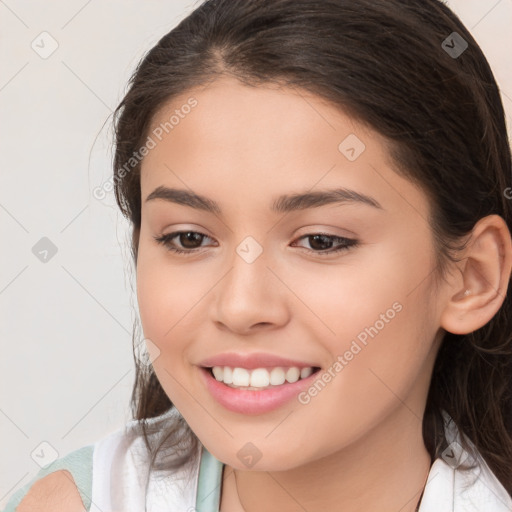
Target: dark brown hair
column 383, row 62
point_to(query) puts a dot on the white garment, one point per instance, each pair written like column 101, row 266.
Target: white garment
column 120, row 468
column 452, row 490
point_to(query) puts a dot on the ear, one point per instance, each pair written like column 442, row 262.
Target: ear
column 485, row 274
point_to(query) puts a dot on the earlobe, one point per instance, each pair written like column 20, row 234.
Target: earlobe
column 486, row 270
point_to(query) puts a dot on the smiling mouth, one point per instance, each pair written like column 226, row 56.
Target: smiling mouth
column 258, row 379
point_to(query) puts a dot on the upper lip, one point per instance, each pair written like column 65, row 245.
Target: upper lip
column 251, row 361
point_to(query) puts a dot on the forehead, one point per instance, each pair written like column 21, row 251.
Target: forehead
column 251, row 116
column 267, row 140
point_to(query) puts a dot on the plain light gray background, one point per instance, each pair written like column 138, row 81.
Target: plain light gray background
column 66, row 367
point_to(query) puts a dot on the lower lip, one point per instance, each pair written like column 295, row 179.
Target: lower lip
column 254, row 402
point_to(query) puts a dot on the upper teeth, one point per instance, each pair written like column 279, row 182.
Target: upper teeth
column 260, row 377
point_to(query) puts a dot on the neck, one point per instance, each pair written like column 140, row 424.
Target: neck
column 386, row 469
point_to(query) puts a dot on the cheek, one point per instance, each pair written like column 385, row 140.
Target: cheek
column 381, row 349
column 166, row 293
column 372, row 291
column 160, row 312
column 383, row 367
column 376, row 309
column 170, row 300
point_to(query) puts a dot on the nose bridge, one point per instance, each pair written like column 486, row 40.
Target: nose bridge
column 247, row 295
column 248, row 271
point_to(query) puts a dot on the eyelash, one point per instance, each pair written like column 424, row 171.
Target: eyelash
column 347, row 243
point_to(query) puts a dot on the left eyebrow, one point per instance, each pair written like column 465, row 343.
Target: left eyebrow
column 305, row 200
column 282, row 204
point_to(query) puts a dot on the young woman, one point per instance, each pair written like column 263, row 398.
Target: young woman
column 320, row 195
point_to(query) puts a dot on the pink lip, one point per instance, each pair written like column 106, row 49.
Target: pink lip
column 253, row 402
column 251, row 361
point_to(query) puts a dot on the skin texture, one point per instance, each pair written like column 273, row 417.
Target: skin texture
column 358, row 444
column 56, row 492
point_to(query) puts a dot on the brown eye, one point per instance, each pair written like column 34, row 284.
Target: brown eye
column 321, row 243
column 189, row 241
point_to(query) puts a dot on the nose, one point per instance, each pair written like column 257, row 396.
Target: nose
column 250, row 298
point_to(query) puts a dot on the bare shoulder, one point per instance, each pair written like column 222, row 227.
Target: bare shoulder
column 56, row 492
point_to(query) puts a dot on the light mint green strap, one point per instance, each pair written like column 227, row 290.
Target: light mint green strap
column 78, row 463
column 209, row 483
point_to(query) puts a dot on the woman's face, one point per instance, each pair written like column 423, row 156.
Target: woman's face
column 257, row 281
